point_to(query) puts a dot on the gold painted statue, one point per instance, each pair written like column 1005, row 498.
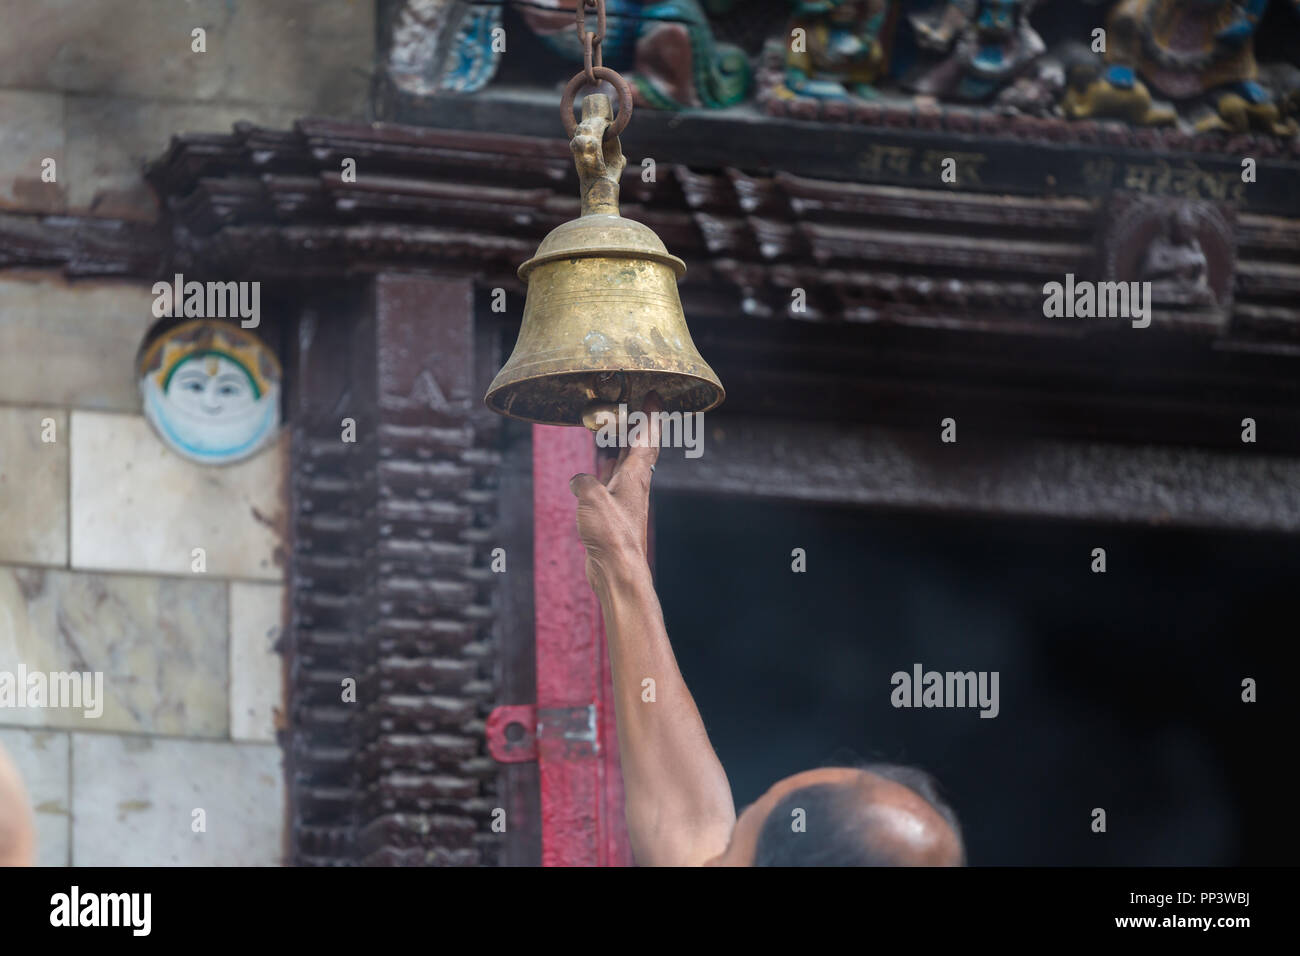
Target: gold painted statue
column 1197, row 53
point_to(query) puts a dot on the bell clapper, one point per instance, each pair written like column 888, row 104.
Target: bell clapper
column 599, row 414
column 611, row 386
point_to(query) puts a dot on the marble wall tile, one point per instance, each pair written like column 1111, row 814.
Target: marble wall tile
column 303, row 53
column 65, row 343
column 31, row 131
column 137, row 506
column 133, row 802
column 160, row 644
column 256, row 668
column 42, row 759
column 33, row 485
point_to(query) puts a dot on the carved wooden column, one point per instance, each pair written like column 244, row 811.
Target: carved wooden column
column 390, row 586
column 428, row 608
column 323, row 641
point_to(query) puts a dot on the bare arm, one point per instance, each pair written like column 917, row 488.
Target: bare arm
column 679, row 805
column 17, row 835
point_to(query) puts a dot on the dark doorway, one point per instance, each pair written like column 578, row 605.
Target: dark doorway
column 1120, row 690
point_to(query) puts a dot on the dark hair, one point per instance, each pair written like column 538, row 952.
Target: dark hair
column 836, row 833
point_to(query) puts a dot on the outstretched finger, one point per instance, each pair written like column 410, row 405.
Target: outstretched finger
column 639, row 457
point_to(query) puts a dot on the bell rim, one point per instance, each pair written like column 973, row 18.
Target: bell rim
column 720, row 396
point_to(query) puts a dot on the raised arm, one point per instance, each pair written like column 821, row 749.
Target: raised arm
column 679, row 806
column 17, row 837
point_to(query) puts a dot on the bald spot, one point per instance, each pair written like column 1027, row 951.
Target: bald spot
column 902, row 824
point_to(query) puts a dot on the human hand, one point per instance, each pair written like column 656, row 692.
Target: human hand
column 614, row 510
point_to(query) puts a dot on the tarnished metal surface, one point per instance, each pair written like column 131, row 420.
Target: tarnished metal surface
column 602, row 321
column 602, row 329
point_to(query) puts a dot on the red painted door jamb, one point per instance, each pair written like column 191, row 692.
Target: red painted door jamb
column 577, row 740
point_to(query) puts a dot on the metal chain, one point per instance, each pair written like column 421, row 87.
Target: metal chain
column 594, row 70
column 591, row 50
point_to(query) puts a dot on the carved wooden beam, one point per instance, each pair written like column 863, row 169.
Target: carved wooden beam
column 796, row 461
column 274, row 204
column 80, row 245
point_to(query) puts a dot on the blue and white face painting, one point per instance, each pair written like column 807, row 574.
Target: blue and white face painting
column 210, row 407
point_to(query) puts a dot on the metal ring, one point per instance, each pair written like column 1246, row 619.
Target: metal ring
column 624, row 101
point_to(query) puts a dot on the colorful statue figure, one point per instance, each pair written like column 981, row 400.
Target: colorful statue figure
column 665, row 48
column 1198, row 53
column 211, row 390
column 837, row 48
column 1090, row 95
column 987, row 45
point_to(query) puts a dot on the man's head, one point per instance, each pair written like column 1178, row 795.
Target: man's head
column 17, row 839
column 874, row 815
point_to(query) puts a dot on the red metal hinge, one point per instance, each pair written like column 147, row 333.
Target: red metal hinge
column 512, row 733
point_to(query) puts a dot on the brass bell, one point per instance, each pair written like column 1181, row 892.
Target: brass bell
column 603, row 324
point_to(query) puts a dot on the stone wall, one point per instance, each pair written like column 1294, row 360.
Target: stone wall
column 101, row 87
column 98, row 520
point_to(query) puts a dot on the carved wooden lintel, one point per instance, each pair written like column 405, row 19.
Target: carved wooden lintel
column 268, row 204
